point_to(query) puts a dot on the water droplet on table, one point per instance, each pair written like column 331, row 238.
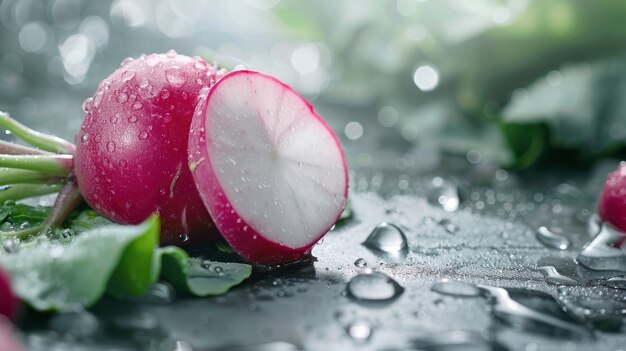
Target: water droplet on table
column 360, row 262
column 551, row 239
column 359, row 330
column 79, row 323
column 604, row 251
column 11, row 245
column 448, row 226
column 374, row 287
column 594, row 224
column 456, row 288
column 554, row 277
column 616, row 282
column 444, row 194
column 455, row 340
column 386, row 237
column 596, row 302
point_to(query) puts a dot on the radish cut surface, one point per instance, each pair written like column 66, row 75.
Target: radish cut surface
column 269, row 170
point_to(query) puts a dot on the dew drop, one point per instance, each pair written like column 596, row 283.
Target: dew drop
column 137, row 105
column 115, row 119
column 152, row 60
column 132, row 119
column 386, row 237
column 374, row 287
column 175, row 76
column 184, row 237
column 87, row 104
column 84, row 138
column 122, row 98
column 444, row 194
column 616, row 282
column 126, row 61
column 593, row 225
column 606, row 251
column 359, row 330
column 456, row 288
column 360, row 262
column 448, row 226
column 111, row 146
column 143, row 135
column 165, row 94
column 97, row 99
column 554, row 277
column 550, row 239
column 11, row 245
column 171, row 53
column 128, row 75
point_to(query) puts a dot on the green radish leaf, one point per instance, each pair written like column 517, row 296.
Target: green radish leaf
column 51, row 276
column 200, row 277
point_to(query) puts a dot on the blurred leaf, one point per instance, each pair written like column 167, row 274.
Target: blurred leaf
column 200, row 277
column 298, row 23
column 527, row 141
column 51, row 276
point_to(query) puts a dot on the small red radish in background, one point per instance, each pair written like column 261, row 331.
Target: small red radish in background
column 612, row 206
column 131, row 151
column 8, row 302
column 270, row 171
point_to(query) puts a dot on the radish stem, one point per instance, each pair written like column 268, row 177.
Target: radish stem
column 9, row 148
column 18, row 176
column 41, row 140
column 23, row 191
column 58, row 165
column 69, row 197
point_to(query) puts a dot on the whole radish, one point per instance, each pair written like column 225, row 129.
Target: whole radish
column 612, row 205
column 8, row 302
column 131, row 151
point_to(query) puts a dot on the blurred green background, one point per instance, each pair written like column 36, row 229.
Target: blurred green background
column 514, row 83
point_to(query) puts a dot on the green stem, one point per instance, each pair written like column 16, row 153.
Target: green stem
column 43, row 141
column 18, row 176
column 17, row 192
column 9, row 148
column 69, row 197
column 23, row 234
column 58, row 165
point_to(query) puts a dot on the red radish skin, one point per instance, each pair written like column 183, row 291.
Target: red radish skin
column 131, row 151
column 612, row 206
column 8, row 302
column 8, row 342
column 244, row 236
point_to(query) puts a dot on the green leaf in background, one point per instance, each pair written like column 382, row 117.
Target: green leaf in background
column 200, row 277
column 526, row 141
column 52, row 276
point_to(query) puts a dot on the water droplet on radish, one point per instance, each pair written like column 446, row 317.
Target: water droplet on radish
column 115, row 119
column 98, row 138
column 126, row 61
column 122, row 163
column 97, row 99
column 374, row 287
column 143, row 135
column 152, row 60
column 84, row 138
column 551, row 239
column 175, row 76
column 132, row 119
column 87, row 104
column 165, row 94
column 171, row 53
column 128, row 75
column 448, row 226
column 386, row 237
column 111, row 146
column 184, row 237
column 122, row 98
column 360, row 262
column 137, row 105
column 455, row 288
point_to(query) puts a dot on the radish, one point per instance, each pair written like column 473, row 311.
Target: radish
column 8, row 302
column 131, row 155
column 270, row 171
column 612, row 205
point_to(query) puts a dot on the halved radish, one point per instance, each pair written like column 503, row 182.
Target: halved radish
column 269, row 170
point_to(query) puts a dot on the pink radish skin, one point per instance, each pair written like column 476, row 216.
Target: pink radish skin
column 612, row 206
column 8, row 342
column 131, row 157
column 8, row 302
column 266, row 102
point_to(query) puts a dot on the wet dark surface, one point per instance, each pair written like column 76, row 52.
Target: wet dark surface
column 398, row 300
